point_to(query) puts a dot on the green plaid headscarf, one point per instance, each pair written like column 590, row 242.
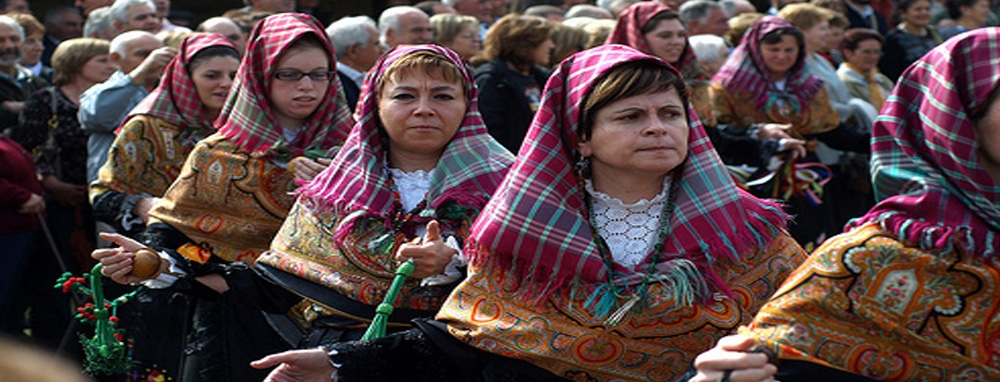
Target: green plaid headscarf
column 925, row 157
column 247, row 117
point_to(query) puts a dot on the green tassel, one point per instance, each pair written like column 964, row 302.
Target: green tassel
column 379, row 323
column 383, row 243
column 685, row 282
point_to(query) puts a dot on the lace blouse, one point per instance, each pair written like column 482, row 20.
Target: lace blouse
column 630, row 230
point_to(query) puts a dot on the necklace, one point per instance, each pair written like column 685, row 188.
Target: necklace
column 639, row 293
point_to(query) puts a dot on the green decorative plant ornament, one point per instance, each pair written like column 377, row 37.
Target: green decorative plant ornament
column 106, row 352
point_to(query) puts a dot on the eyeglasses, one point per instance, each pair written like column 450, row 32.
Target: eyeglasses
column 871, row 52
column 295, row 75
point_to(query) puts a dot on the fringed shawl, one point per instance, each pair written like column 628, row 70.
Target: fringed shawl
column 745, row 71
column 925, row 159
column 176, row 99
column 535, row 225
column 357, row 182
column 248, row 119
column 628, row 31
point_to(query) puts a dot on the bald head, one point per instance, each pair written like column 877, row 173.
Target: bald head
column 226, row 27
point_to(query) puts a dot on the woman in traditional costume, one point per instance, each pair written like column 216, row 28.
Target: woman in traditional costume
column 909, row 292
column 419, row 153
column 235, row 189
column 765, row 80
column 617, row 248
column 418, row 165
column 655, row 29
column 145, row 159
column 156, row 137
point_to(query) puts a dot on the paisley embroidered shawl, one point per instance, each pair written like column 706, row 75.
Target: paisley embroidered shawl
column 339, row 235
column 158, row 134
column 232, row 194
column 743, row 92
column 536, row 266
column 909, row 292
column 628, row 31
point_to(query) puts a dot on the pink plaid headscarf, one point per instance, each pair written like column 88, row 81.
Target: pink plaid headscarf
column 248, row 118
column 925, row 155
column 176, row 99
column 745, row 70
column 469, row 170
column 535, row 224
column 628, row 31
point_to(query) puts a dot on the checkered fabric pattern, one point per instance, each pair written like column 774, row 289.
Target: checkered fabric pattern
column 176, row 99
column 469, row 170
column 628, row 31
column 745, row 72
column 247, row 117
column 925, row 158
column 535, row 223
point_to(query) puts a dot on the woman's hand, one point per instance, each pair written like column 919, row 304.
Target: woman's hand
column 35, row 204
column 118, row 262
column 795, row 147
column 311, row 365
column 774, row 130
column 306, row 169
column 431, row 256
column 730, row 360
column 142, row 207
column 65, row 193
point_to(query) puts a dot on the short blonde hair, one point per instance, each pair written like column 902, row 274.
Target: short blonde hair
column 447, row 25
column 28, row 22
column 71, row 55
column 804, row 15
column 424, row 62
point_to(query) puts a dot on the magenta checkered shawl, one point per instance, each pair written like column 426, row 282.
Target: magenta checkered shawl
column 926, row 168
column 247, row 117
column 628, row 31
column 176, row 100
column 535, row 224
column 356, row 183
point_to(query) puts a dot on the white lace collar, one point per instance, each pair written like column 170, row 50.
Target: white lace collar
column 629, row 230
column 412, row 186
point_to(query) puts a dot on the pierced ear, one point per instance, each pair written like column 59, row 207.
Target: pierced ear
column 584, row 149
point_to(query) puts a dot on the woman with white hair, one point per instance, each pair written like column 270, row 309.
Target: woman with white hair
column 711, row 51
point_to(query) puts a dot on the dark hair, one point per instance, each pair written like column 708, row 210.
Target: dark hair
column 512, row 38
column 774, row 37
column 902, row 6
column 210, row 53
column 627, row 80
column 954, row 7
column 655, row 20
column 855, row 36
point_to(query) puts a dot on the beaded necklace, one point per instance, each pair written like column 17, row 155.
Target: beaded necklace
column 640, row 291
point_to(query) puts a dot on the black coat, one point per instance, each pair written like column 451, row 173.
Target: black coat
column 503, row 104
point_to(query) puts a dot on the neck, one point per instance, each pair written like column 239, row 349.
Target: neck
column 968, row 23
column 514, row 68
column 627, row 187
column 9, row 70
column 75, row 88
column 410, row 162
column 913, row 29
column 349, row 62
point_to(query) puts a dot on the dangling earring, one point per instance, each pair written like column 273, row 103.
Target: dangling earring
column 582, row 167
